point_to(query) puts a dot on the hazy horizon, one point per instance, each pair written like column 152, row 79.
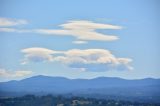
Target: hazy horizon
column 76, row 78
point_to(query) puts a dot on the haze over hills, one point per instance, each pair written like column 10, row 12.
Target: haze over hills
column 102, row 86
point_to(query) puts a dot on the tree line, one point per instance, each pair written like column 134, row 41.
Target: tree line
column 50, row 100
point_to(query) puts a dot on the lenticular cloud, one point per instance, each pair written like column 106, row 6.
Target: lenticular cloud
column 89, row 59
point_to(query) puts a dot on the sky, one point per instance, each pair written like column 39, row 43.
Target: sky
column 79, row 39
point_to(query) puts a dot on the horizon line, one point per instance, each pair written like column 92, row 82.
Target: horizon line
column 78, row 78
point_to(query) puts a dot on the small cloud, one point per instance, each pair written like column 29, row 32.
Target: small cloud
column 79, row 42
column 37, row 55
column 6, row 25
column 6, row 22
column 13, row 74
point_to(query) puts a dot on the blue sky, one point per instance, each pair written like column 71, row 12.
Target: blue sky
column 50, row 37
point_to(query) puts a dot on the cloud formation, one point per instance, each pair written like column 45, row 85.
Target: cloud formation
column 88, row 60
column 38, row 55
column 13, row 74
column 79, row 42
column 82, row 30
column 6, row 22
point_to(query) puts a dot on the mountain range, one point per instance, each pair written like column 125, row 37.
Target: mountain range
column 148, row 88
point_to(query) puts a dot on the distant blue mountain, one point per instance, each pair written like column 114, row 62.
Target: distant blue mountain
column 148, row 87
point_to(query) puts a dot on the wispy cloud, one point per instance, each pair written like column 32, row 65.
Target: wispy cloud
column 8, row 25
column 83, row 30
column 13, row 74
column 6, row 22
column 89, row 59
column 14, row 30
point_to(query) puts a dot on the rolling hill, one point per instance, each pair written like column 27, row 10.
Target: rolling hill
column 103, row 87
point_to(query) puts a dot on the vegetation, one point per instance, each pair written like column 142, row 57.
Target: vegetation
column 49, row 100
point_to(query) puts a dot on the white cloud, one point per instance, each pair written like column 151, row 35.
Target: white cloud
column 5, row 22
column 82, row 30
column 37, row 55
column 94, row 60
column 13, row 74
column 79, row 42
column 89, row 59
